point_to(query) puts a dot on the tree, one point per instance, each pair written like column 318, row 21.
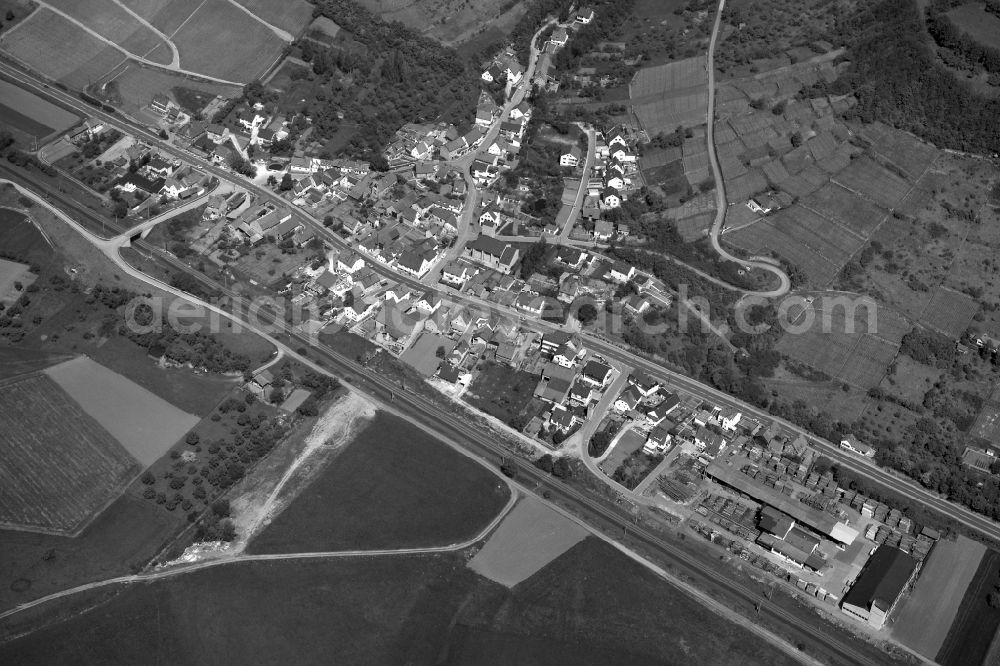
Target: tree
column 286, row 183
column 544, row 463
column 271, row 180
column 586, row 314
column 561, row 469
column 509, row 467
column 994, row 599
column 440, row 353
column 192, row 438
column 220, row 508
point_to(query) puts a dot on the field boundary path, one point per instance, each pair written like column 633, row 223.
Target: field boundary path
column 175, row 56
column 134, row 56
column 178, row 570
column 283, row 34
column 721, row 203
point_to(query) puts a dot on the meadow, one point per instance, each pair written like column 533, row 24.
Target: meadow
column 393, row 486
column 591, row 606
column 30, row 114
column 60, row 466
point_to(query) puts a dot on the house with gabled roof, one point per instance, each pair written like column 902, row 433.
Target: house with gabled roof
column 628, row 400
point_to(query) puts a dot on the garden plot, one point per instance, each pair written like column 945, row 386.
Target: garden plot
column 60, row 467
column 145, row 424
column 838, row 204
column 873, row 181
column 949, row 312
column 528, row 539
column 694, row 227
column 987, row 423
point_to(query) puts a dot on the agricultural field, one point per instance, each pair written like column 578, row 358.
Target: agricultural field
column 29, row 114
column 949, row 312
column 291, row 15
column 145, row 424
column 417, row 609
column 845, row 208
column 16, row 361
column 973, row 19
column 667, row 96
column 927, row 614
column 874, row 182
column 221, row 40
column 114, row 23
column 530, row 537
column 126, row 534
column 58, row 49
column 393, row 486
column 976, row 621
column 859, row 358
column 60, row 466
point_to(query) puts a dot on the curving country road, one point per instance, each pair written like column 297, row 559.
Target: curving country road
column 721, row 203
column 223, row 560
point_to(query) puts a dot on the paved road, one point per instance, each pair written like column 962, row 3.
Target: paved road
column 721, row 203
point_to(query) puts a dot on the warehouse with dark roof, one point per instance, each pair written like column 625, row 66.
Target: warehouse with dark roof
column 881, row 583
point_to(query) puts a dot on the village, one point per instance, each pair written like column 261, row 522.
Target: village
column 478, row 271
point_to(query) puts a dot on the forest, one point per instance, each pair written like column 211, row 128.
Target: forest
column 405, row 78
column 897, row 80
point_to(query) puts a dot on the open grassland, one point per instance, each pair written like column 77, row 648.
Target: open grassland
column 927, row 614
column 115, row 24
column 221, row 40
column 973, row 19
column 145, row 424
column 58, row 49
column 290, row 15
column 137, row 84
column 59, row 465
column 591, row 606
column 976, row 621
column 394, row 486
column 502, row 392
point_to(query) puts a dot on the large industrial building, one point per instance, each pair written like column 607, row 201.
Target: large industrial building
column 821, row 522
column 875, row 593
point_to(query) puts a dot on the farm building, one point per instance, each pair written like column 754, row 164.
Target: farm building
column 881, row 583
column 819, row 521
